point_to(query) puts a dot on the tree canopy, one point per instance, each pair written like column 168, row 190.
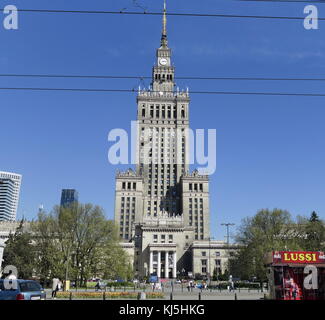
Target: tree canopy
column 20, row 252
column 271, row 230
column 74, row 242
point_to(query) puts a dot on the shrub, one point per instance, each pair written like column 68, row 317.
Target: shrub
column 108, row 295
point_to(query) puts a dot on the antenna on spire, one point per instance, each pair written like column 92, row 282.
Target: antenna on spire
column 164, row 30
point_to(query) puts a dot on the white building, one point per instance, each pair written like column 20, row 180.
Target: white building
column 9, row 195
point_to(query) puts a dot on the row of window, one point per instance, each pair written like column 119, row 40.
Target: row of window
column 217, row 262
column 168, row 77
column 217, row 253
column 195, row 186
column 128, row 199
column 162, row 112
column 129, row 185
column 126, row 217
column 163, row 238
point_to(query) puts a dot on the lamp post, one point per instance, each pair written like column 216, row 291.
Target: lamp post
column 138, row 246
column 227, row 225
column 209, row 269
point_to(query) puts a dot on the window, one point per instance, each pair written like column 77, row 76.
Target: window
column 203, row 254
column 155, row 238
column 218, row 254
column 29, row 286
column 218, row 262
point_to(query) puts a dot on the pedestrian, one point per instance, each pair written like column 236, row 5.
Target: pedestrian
column 59, row 285
column 97, row 286
column 55, row 287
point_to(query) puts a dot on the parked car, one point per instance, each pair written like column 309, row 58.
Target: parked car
column 21, row 290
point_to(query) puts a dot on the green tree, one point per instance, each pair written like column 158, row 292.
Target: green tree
column 215, row 275
column 20, row 252
column 72, row 242
column 258, row 235
column 224, row 276
column 314, row 231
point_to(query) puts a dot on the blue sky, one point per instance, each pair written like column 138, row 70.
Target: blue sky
column 270, row 150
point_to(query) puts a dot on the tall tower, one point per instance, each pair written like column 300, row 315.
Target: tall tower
column 68, row 196
column 160, row 207
column 9, row 195
column 162, row 145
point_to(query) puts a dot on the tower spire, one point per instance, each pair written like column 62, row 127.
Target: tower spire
column 164, row 29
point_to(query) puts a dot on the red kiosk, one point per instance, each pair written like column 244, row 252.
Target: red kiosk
column 296, row 275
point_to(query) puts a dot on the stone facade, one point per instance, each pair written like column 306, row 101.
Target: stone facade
column 209, row 256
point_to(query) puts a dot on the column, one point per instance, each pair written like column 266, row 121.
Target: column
column 158, row 266
column 151, row 263
column 174, row 265
column 166, row 265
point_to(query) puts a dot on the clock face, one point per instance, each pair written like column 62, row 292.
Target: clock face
column 163, row 61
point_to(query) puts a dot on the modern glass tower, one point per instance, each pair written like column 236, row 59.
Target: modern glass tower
column 9, row 195
column 68, row 196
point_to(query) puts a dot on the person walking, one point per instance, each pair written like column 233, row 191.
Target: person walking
column 55, row 287
column 59, row 285
column 97, row 286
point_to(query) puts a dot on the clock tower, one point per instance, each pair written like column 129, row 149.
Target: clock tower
column 163, row 71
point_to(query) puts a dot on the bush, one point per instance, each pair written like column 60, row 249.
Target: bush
column 108, row 295
column 250, row 285
column 92, row 284
column 237, row 285
column 120, row 284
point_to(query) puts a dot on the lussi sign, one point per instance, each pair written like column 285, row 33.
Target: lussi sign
column 308, row 257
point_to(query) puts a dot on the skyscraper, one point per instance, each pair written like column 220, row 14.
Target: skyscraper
column 68, row 196
column 160, row 206
column 9, row 195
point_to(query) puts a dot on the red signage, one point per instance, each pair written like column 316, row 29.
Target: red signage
column 303, row 257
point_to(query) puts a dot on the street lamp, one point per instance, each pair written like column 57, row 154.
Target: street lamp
column 227, row 226
column 209, row 261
